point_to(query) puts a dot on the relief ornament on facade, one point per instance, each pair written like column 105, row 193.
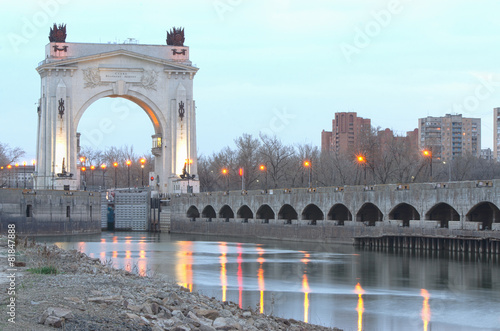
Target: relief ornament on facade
column 92, row 78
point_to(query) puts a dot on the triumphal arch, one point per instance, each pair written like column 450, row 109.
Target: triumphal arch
column 158, row 78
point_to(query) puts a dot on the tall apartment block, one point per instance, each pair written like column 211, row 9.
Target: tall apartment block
column 346, row 128
column 450, row 136
column 496, row 134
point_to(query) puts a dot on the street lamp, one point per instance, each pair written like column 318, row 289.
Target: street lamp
column 362, row 160
column 83, row 169
column 143, row 160
column 24, row 173
column 10, row 170
column 428, row 153
column 225, row 172
column 103, row 167
column 263, row 167
column 92, row 168
column 307, row 164
column 115, row 164
column 128, row 172
column 17, row 176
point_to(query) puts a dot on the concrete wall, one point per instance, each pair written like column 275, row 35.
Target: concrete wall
column 47, row 212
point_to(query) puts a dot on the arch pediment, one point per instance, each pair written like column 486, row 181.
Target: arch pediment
column 129, row 56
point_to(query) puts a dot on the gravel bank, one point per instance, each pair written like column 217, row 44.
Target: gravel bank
column 87, row 295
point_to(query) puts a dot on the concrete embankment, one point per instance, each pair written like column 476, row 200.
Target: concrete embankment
column 86, row 294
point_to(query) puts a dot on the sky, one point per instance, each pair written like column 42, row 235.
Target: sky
column 279, row 67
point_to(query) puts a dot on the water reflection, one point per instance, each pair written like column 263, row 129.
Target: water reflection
column 360, row 308
column 305, row 286
column 426, row 309
column 260, row 278
column 184, row 265
column 223, row 270
column 239, row 260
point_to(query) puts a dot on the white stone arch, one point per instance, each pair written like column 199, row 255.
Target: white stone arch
column 158, row 78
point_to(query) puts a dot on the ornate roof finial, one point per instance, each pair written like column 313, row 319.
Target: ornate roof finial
column 175, row 37
column 58, row 33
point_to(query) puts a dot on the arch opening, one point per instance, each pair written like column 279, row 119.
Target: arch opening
column 287, row 213
column 208, row 213
column 404, row 212
column 265, row 213
column 443, row 213
column 193, row 213
column 485, row 213
column 226, row 212
column 369, row 214
column 244, row 212
column 312, row 213
column 339, row 213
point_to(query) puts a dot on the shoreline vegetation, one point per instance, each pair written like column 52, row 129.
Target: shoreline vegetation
column 55, row 288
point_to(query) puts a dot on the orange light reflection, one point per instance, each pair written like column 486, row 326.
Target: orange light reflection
column 223, row 271
column 426, row 309
column 360, row 308
column 305, row 287
column 260, row 278
column 239, row 259
column 184, row 266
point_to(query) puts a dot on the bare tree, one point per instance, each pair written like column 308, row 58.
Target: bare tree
column 276, row 159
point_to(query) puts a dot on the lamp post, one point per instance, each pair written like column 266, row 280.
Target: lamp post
column 362, row 160
column 128, row 173
column 143, row 160
column 24, row 173
column 103, row 167
column 428, row 153
column 10, row 170
column 92, row 168
column 263, row 167
column 307, row 164
column 17, row 175
column 33, row 162
column 115, row 164
column 85, row 178
column 225, row 172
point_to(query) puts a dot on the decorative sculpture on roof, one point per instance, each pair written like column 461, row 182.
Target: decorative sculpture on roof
column 58, row 33
column 175, row 37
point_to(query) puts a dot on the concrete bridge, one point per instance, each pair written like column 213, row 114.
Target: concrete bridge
column 471, row 205
column 345, row 214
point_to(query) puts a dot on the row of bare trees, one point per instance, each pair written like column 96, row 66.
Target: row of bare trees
column 269, row 164
column 131, row 174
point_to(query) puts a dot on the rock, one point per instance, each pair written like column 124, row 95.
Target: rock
column 206, row 328
column 54, row 321
column 261, row 324
column 247, row 314
column 178, row 314
column 134, row 308
column 207, row 313
column 147, row 309
column 223, row 323
column 155, row 308
column 226, row 313
column 74, row 300
column 132, row 316
column 161, row 295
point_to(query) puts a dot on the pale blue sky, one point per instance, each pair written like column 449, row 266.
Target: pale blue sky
column 281, row 66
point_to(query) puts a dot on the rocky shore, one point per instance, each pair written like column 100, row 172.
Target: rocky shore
column 85, row 294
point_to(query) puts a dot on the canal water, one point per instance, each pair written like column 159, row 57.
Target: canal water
column 331, row 285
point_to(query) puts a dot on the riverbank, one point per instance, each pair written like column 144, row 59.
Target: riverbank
column 85, row 294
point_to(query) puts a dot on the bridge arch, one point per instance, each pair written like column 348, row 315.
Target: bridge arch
column 287, row 213
column 265, row 213
column 443, row 213
column 404, row 212
column 312, row 213
column 244, row 212
column 369, row 214
column 340, row 213
column 193, row 213
column 484, row 212
column 208, row 212
column 226, row 212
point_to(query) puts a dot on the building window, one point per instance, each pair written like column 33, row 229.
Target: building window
column 68, row 211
